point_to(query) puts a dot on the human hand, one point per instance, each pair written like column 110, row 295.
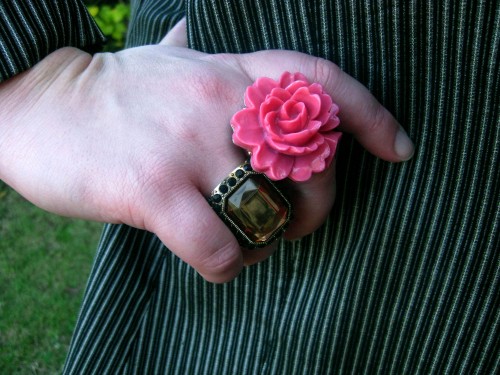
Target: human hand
column 361, row 115
column 142, row 136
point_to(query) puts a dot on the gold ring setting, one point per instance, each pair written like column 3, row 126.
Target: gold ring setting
column 252, row 206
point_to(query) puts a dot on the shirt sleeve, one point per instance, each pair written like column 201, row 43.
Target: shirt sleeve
column 32, row 29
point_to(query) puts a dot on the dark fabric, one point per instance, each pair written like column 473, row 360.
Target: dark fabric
column 31, row 29
column 404, row 275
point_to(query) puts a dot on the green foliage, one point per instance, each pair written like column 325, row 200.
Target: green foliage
column 112, row 18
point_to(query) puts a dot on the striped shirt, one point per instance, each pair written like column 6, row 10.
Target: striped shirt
column 403, row 278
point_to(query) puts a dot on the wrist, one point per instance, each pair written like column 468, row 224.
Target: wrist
column 24, row 95
column 24, row 88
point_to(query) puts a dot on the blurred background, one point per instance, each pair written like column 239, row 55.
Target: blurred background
column 45, row 259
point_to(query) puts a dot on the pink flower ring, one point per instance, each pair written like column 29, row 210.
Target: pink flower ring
column 288, row 127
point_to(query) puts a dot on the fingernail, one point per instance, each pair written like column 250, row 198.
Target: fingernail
column 403, row 146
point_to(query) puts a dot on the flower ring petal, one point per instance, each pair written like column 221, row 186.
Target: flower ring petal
column 312, row 102
column 332, row 140
column 287, row 147
column 257, row 93
column 307, row 164
column 275, row 166
column 246, row 130
column 288, row 78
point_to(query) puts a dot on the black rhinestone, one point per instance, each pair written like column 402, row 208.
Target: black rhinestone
column 217, row 198
column 239, row 173
column 231, row 181
column 247, row 167
column 223, row 189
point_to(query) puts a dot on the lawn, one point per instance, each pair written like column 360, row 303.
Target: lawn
column 44, row 264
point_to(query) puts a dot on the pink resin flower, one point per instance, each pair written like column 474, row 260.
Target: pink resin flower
column 288, row 127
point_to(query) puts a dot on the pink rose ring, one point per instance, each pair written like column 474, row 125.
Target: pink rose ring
column 288, row 129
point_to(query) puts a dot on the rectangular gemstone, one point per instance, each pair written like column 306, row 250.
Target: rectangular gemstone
column 257, row 208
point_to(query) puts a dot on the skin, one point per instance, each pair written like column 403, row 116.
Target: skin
column 142, row 136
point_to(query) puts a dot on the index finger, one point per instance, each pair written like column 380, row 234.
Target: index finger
column 360, row 113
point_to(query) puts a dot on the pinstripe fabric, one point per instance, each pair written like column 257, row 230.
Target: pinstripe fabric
column 403, row 277
column 31, row 29
column 151, row 20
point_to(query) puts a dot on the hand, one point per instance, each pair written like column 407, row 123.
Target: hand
column 142, row 136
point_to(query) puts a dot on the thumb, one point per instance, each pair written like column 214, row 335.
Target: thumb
column 177, row 36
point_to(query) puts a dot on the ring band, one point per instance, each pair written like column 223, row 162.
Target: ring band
column 252, row 206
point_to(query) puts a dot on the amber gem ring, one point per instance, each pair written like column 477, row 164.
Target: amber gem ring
column 252, row 206
column 288, row 127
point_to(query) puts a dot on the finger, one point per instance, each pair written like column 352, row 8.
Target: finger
column 360, row 113
column 312, row 201
column 193, row 231
column 177, row 36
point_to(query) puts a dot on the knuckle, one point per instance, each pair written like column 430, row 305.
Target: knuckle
column 327, row 73
column 213, row 87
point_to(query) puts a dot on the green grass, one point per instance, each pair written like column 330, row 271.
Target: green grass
column 44, row 264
